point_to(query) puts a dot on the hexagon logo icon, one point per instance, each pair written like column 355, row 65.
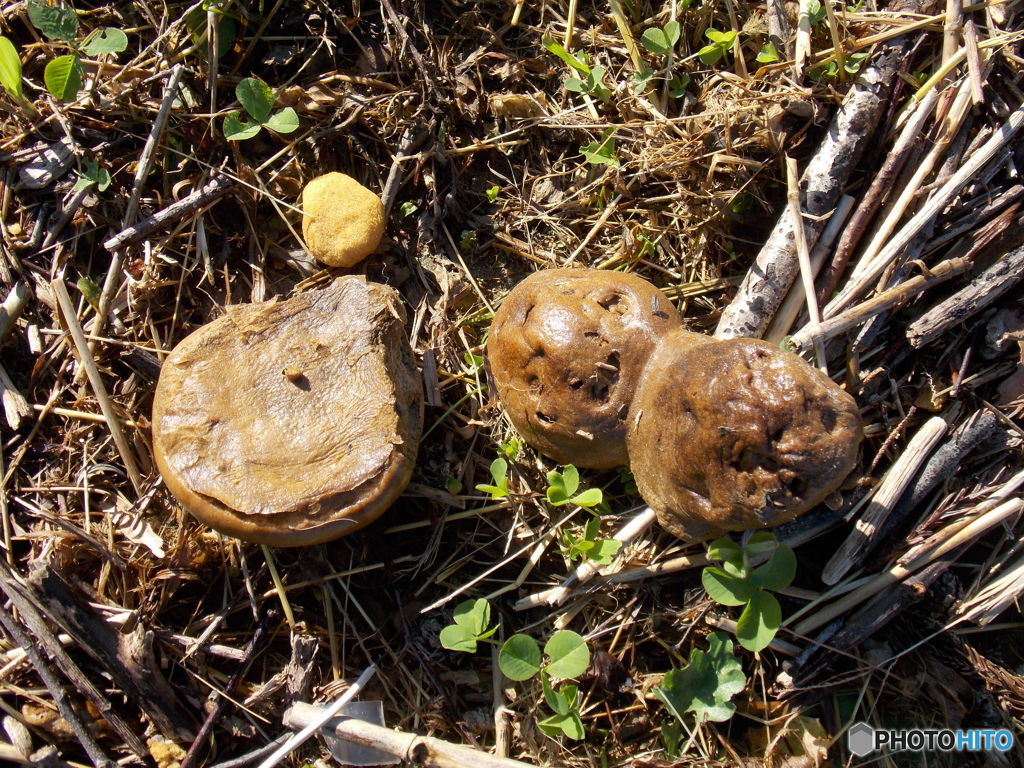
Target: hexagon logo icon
column 860, row 739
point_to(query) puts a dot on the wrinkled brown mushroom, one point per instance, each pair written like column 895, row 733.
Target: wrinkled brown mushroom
column 342, row 221
column 565, row 349
column 736, row 435
column 292, row 422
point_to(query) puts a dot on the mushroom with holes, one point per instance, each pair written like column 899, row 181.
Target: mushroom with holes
column 565, row 351
column 736, row 435
column 342, row 221
column 292, row 422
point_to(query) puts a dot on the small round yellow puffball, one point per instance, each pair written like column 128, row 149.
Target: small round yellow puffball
column 342, row 220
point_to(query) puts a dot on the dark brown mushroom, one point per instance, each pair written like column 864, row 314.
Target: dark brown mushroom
column 292, row 422
column 736, row 435
column 565, row 350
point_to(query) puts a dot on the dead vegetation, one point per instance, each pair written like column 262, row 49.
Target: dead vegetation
column 132, row 634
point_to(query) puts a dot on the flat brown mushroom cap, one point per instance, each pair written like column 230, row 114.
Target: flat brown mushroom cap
column 737, row 435
column 292, row 422
column 565, row 350
column 342, row 220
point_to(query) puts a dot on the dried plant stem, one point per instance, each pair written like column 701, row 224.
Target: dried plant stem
column 282, row 593
column 96, row 380
column 315, row 718
column 870, row 202
column 622, row 23
column 986, row 288
column 884, row 498
column 12, row 307
column 57, row 692
column 941, row 543
column 803, row 256
column 951, row 29
column 189, row 204
column 991, row 150
column 874, row 306
column 908, row 195
column 570, row 23
column 770, row 277
column 420, row 750
column 796, row 298
column 16, row 407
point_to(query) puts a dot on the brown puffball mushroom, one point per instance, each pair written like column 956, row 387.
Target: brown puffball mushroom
column 342, row 221
column 292, row 422
column 736, row 435
column 565, row 350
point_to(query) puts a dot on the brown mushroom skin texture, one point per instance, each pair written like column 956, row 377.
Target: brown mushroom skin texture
column 342, row 220
column 565, row 350
column 737, row 435
column 292, row 422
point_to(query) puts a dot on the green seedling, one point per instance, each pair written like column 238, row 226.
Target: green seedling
column 63, row 75
column 672, row 739
column 90, row 291
column 706, row 685
column 568, row 656
column 587, row 80
column 407, row 209
column 564, row 702
column 499, row 473
column 738, row 582
column 92, row 173
column 473, row 362
column 520, row 659
column 258, row 100
column 816, row 12
column 10, row 70
column 588, row 546
column 453, row 485
column 492, row 193
column 562, row 486
column 510, row 448
column 851, row 64
column 471, row 618
column 602, row 152
column 769, row 54
column 721, row 43
column 468, row 241
column 661, row 41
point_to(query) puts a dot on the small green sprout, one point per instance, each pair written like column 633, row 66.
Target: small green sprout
column 569, row 657
column 769, row 54
column 499, row 473
column 661, row 41
column 92, row 173
column 471, row 618
column 588, row 546
column 407, row 209
column 63, row 75
column 590, row 80
column 738, row 582
column 258, row 100
column 492, row 193
column 721, row 43
column 602, row 152
column 562, row 486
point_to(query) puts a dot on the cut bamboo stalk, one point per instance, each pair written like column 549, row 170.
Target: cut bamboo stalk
column 888, row 492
